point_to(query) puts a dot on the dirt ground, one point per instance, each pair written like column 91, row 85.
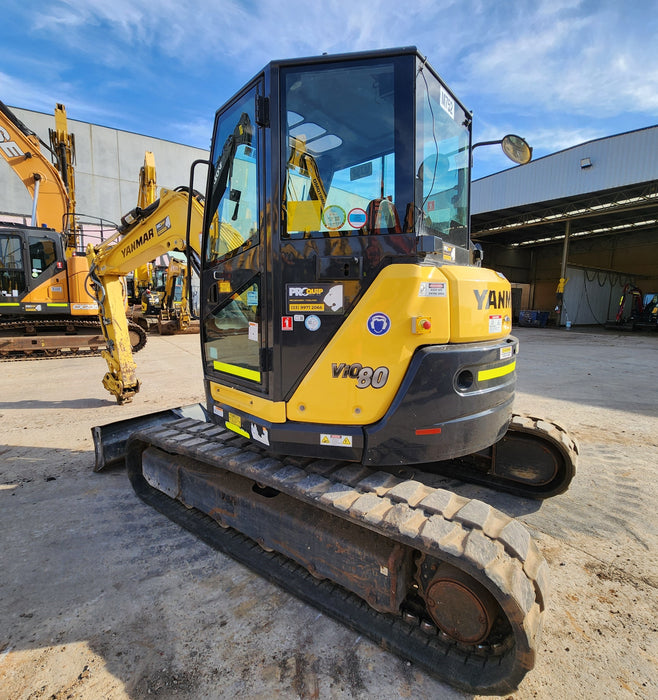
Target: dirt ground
column 102, row 597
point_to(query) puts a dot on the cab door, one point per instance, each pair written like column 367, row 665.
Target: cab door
column 233, row 280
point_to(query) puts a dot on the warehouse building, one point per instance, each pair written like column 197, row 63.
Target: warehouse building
column 587, row 215
column 107, row 168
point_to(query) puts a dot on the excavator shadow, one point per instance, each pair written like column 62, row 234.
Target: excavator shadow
column 140, row 606
column 56, row 405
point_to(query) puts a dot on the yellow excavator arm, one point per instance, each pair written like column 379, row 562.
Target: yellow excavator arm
column 145, row 234
column 21, row 148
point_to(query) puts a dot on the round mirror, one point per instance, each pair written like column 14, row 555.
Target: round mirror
column 516, row 149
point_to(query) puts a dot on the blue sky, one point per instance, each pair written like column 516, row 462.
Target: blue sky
column 557, row 72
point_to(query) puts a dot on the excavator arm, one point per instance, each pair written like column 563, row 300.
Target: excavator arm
column 144, row 235
column 21, row 148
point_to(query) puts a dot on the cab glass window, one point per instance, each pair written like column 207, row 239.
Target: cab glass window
column 42, row 254
column 442, row 167
column 12, row 272
column 233, row 334
column 234, row 195
column 339, row 150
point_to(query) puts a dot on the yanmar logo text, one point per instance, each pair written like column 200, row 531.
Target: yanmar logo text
column 137, row 243
column 490, row 299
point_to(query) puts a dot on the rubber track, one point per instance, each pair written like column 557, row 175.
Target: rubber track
column 48, row 324
column 541, row 430
column 485, row 543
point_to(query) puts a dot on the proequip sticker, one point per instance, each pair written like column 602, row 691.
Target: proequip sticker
column 506, row 353
column 356, row 218
column 314, row 298
column 433, row 289
column 379, row 324
column 335, row 440
column 495, row 324
column 312, row 322
column 334, row 217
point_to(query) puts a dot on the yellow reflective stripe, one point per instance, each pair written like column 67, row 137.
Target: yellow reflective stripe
column 235, row 429
column 57, row 305
column 485, row 374
column 237, row 371
column 10, row 304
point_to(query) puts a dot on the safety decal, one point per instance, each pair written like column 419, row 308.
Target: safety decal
column 449, row 253
column 495, row 324
column 252, row 298
column 163, row 226
column 433, row 289
column 262, row 437
column 506, row 353
column 286, row 323
column 218, row 410
column 314, row 298
column 334, row 217
column 253, row 331
column 299, row 318
column 447, row 103
column 379, row 324
column 356, row 218
column 312, row 322
column 85, row 307
column 335, row 440
column 365, row 376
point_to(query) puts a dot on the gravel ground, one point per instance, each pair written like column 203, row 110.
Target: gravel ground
column 101, row 597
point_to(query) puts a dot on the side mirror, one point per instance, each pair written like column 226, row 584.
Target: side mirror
column 516, row 149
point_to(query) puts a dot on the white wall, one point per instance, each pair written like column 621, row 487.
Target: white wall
column 106, row 169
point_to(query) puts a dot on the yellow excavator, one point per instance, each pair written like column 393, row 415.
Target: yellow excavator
column 348, row 339
column 158, row 297
column 144, row 235
column 45, row 305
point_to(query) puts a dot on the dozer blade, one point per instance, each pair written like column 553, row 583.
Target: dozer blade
column 110, row 439
column 446, row 582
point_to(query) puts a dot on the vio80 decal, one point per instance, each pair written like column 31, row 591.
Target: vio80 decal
column 365, row 376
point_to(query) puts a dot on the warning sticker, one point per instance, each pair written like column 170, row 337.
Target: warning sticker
column 495, row 324
column 506, row 353
column 433, row 289
column 335, row 440
column 314, row 298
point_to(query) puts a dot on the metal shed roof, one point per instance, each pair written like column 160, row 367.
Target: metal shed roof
column 608, row 185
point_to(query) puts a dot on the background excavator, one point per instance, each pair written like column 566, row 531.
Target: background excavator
column 144, row 235
column 349, row 340
column 157, row 292
column 45, row 303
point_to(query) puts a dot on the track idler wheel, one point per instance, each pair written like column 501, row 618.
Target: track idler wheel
column 461, row 607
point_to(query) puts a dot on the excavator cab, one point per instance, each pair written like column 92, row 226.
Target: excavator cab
column 336, row 207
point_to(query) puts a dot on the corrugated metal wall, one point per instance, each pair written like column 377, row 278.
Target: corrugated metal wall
column 616, row 161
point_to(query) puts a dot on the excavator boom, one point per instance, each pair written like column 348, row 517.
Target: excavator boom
column 145, row 234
